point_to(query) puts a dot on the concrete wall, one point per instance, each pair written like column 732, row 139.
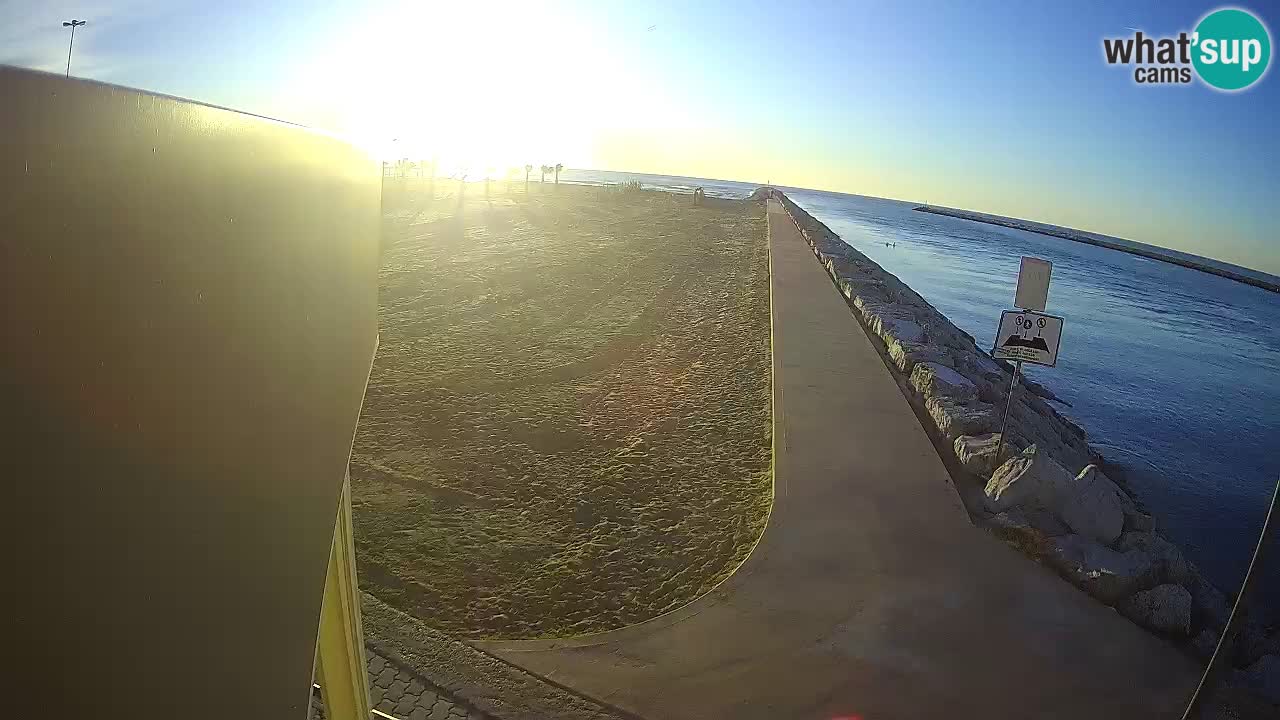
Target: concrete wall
column 188, row 303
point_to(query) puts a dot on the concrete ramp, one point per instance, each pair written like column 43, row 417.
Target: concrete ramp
column 870, row 594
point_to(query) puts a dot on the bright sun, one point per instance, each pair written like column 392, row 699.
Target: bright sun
column 476, row 88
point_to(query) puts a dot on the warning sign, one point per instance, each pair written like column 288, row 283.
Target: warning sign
column 1028, row 336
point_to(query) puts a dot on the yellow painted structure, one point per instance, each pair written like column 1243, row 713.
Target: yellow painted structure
column 188, row 305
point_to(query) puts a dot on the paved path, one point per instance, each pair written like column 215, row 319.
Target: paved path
column 870, row 594
column 401, row 692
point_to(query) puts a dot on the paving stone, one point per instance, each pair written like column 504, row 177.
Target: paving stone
column 385, row 677
column 396, row 691
column 376, row 664
column 419, row 713
column 406, row 704
column 427, row 699
column 416, row 687
column 386, row 705
column 375, row 695
column 440, row 711
column 406, row 677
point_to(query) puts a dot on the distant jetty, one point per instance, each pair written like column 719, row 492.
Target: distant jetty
column 1214, row 267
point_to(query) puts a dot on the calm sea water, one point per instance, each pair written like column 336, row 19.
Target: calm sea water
column 1174, row 373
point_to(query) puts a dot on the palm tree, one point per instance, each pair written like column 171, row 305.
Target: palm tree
column 545, row 169
column 527, row 169
column 558, row 168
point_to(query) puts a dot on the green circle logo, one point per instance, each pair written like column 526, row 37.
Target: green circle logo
column 1231, row 49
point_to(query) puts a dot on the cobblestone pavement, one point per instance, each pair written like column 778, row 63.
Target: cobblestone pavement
column 403, row 694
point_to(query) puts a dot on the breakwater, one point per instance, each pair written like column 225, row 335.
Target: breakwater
column 1239, row 274
column 1048, row 494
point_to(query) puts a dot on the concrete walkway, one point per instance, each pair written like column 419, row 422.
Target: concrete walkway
column 870, row 594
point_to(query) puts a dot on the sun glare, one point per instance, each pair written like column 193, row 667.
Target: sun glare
column 476, row 88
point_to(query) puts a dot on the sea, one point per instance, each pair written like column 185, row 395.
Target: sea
column 1173, row 372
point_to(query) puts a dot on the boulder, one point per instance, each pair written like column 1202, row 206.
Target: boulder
column 1164, row 608
column 1174, row 568
column 1100, row 571
column 855, row 285
column 905, row 355
column 1029, row 478
column 1136, row 520
column 830, row 246
column 983, row 365
column 931, row 378
column 1210, row 605
column 977, row 452
column 1042, row 521
column 1092, row 507
column 847, row 288
column 1263, row 677
column 1036, row 388
column 1251, row 641
column 954, row 418
column 901, row 328
column 888, row 319
column 842, row 267
column 1203, row 644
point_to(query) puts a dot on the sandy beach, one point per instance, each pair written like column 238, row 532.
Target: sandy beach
column 567, row 428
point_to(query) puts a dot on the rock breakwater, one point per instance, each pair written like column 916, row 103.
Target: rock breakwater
column 1047, row 494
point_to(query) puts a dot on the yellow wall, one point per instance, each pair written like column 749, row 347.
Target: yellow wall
column 188, row 308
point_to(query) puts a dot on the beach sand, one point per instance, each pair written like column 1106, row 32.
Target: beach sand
column 567, row 428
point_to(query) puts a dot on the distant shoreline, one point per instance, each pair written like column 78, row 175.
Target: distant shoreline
column 1088, row 239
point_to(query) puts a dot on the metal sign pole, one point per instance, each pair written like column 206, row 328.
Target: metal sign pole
column 1004, row 424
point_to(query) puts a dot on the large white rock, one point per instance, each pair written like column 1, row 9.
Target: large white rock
column 931, row 378
column 1029, row 478
column 1164, row 608
column 903, row 329
column 954, row 418
column 1100, row 571
column 1174, row 568
column 905, row 355
column 1092, row 507
column 886, row 319
column 842, row 267
column 977, row 452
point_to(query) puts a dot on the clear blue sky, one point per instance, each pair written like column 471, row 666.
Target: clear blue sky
column 1004, row 109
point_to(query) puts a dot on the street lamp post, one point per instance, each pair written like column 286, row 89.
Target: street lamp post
column 73, row 24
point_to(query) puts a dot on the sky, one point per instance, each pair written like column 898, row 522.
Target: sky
column 1001, row 108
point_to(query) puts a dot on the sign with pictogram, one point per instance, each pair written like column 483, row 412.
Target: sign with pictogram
column 1028, row 337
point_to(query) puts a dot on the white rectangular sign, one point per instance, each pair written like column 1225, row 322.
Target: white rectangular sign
column 1028, row 336
column 1033, row 284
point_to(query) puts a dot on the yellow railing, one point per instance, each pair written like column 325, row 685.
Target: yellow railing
column 341, row 669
